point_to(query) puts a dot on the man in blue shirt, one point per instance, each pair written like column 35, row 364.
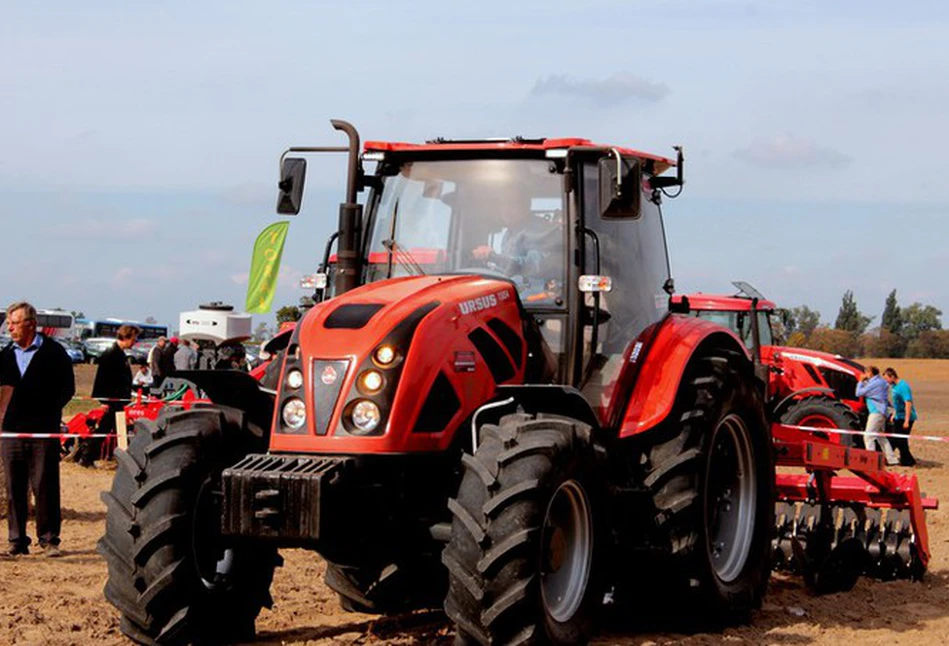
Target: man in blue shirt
column 903, row 415
column 36, row 382
column 875, row 390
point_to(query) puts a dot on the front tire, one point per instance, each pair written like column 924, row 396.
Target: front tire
column 525, row 549
column 171, row 575
column 819, row 411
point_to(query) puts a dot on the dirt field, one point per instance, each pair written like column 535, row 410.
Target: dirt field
column 46, row 601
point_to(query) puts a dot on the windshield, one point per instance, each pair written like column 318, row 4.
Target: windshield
column 501, row 217
column 739, row 323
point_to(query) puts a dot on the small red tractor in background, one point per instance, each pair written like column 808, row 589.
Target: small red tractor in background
column 829, row 528
column 514, row 427
column 805, row 387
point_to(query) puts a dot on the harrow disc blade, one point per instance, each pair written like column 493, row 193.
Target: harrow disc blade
column 782, row 554
column 841, row 569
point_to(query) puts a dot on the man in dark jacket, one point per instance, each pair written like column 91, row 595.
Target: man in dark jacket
column 113, row 386
column 36, row 382
column 167, row 358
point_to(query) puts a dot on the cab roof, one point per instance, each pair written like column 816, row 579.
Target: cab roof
column 513, row 145
column 719, row 302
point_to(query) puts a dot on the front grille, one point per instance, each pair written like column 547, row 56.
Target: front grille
column 328, row 378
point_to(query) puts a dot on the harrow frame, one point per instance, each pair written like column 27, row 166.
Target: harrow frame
column 838, row 513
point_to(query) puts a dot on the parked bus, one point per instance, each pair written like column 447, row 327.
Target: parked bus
column 108, row 328
column 57, row 324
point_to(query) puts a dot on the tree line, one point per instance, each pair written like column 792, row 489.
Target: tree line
column 911, row 331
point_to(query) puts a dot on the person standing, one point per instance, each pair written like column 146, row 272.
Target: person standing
column 874, row 389
column 113, row 386
column 154, row 360
column 185, row 357
column 903, row 416
column 36, row 383
column 167, row 358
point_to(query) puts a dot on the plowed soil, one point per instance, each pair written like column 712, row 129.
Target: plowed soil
column 59, row 601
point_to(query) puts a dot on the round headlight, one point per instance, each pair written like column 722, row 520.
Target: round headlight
column 294, row 413
column 385, row 355
column 370, row 381
column 366, row 416
column 294, row 379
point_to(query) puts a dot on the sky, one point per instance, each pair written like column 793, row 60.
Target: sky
column 139, row 142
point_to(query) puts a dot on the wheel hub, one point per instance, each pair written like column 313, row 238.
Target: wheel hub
column 731, row 493
column 567, row 551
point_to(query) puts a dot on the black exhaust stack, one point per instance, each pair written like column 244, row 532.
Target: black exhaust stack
column 348, row 262
column 290, row 199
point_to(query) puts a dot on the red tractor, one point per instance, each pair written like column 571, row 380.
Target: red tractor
column 510, row 428
column 805, row 387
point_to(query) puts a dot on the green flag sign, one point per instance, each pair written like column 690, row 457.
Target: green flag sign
column 264, row 267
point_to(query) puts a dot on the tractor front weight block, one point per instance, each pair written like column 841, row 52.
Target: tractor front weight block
column 284, row 498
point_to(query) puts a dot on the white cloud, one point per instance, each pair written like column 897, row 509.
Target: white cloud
column 619, row 88
column 240, row 279
column 786, row 151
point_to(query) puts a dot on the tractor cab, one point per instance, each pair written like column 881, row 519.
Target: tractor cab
column 572, row 227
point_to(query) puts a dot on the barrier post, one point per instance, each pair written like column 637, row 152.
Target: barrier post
column 121, row 431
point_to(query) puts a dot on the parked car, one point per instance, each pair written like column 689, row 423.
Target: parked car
column 75, row 350
column 138, row 353
column 96, row 346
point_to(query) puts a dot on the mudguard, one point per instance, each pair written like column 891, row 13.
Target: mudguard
column 676, row 341
column 236, row 389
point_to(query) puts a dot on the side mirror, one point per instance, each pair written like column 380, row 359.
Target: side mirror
column 292, row 175
column 621, row 186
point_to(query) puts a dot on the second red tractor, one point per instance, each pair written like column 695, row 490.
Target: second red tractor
column 804, row 387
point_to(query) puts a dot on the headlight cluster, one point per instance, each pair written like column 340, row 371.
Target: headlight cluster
column 365, row 415
column 293, row 408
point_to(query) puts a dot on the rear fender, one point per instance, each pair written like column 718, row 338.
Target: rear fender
column 234, row 389
column 677, row 340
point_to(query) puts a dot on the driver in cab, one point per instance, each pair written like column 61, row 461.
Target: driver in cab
column 526, row 246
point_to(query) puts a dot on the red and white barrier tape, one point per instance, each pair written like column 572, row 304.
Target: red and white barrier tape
column 48, row 436
column 145, row 399
column 841, row 431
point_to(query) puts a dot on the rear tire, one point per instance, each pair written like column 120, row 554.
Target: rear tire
column 711, row 478
column 171, row 575
column 526, row 543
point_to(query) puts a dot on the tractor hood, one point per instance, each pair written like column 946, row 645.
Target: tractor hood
column 397, row 365
column 820, row 359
